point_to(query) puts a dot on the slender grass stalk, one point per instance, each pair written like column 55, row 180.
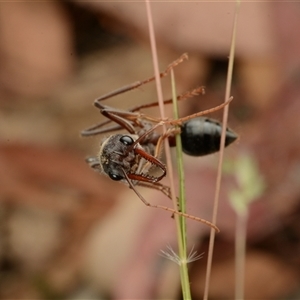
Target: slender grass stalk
column 240, row 254
column 161, row 103
column 222, row 145
column 181, row 224
column 181, row 231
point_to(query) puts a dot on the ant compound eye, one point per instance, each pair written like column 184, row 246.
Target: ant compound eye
column 126, row 140
column 115, row 176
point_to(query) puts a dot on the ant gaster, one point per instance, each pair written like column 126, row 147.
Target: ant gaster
column 133, row 157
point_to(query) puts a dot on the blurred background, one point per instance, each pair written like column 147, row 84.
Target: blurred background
column 67, row 232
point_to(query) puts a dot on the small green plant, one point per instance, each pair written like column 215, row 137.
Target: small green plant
column 250, row 187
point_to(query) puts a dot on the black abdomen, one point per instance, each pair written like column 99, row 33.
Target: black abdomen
column 202, row 136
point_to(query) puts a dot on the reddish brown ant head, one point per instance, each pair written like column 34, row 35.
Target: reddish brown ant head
column 121, row 154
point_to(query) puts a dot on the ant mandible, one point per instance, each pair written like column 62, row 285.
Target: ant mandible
column 133, row 157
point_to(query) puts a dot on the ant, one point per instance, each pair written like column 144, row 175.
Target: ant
column 133, row 157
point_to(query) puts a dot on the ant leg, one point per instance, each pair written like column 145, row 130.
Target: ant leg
column 179, row 121
column 157, row 186
column 168, row 208
column 189, row 94
column 171, row 132
column 160, row 187
column 153, row 160
column 198, row 114
column 93, row 163
column 124, row 119
column 139, row 83
column 96, row 129
column 108, row 111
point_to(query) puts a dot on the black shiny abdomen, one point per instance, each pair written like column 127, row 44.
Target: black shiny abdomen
column 202, row 136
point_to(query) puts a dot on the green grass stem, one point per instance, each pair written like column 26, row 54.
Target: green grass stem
column 181, row 221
